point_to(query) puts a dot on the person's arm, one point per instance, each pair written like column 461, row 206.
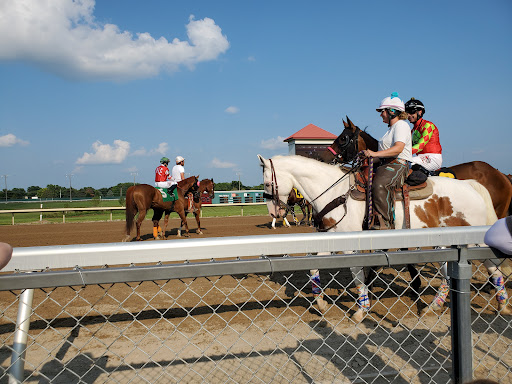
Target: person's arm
column 394, row 151
column 426, row 134
column 182, row 175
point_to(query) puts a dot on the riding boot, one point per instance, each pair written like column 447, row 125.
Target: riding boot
column 155, row 232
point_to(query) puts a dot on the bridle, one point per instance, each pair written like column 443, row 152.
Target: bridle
column 274, row 196
column 348, row 147
column 340, row 200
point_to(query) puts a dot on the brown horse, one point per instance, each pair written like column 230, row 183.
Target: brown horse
column 140, row 198
column 352, row 140
column 206, row 187
column 304, row 205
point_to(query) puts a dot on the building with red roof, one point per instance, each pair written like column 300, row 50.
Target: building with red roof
column 309, row 141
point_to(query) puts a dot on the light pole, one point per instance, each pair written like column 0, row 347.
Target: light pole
column 238, row 174
column 5, row 179
column 134, row 174
column 69, row 176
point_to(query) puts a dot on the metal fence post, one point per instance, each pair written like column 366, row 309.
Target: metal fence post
column 460, row 296
column 21, row 337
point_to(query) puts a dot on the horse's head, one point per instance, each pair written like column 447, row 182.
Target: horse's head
column 275, row 193
column 346, row 146
column 207, row 186
column 190, row 184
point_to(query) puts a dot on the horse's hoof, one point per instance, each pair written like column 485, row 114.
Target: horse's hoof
column 504, row 309
column 322, row 304
column 358, row 316
column 199, row 232
column 125, row 239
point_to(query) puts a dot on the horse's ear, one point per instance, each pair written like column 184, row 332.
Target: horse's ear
column 345, row 124
column 262, row 160
column 351, row 124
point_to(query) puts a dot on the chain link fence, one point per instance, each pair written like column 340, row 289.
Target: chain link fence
column 242, row 311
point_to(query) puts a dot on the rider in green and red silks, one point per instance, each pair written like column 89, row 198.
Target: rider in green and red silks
column 425, row 138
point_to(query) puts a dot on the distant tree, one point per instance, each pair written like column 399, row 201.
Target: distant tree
column 16, row 193
column 258, row 187
column 32, row 190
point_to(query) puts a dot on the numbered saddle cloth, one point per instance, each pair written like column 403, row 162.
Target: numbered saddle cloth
column 167, row 198
column 298, row 194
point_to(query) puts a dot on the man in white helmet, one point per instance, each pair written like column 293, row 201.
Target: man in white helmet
column 178, row 171
column 394, row 153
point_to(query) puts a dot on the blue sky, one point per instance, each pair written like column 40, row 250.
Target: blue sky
column 102, row 90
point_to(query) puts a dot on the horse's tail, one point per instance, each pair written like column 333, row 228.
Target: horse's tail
column 484, row 192
column 131, row 209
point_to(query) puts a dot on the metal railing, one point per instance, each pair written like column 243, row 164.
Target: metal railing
column 241, row 310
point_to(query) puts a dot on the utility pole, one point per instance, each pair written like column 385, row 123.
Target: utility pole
column 134, row 174
column 69, row 176
column 5, row 179
column 238, row 174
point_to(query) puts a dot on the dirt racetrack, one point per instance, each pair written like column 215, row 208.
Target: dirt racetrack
column 33, row 235
column 234, row 316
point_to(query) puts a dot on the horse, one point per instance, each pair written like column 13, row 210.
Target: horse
column 452, row 203
column 206, row 186
column 142, row 197
column 305, row 206
column 352, row 140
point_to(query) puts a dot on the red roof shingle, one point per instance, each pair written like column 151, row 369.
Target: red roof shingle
column 311, row 131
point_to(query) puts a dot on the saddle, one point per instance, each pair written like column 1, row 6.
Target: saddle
column 405, row 193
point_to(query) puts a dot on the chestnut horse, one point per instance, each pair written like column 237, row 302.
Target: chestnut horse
column 352, row 140
column 142, row 197
column 207, row 187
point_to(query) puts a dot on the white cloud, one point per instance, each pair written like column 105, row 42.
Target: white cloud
column 274, row 143
column 63, row 37
column 251, row 58
column 232, row 110
column 162, row 149
column 10, row 140
column 105, row 153
column 216, row 163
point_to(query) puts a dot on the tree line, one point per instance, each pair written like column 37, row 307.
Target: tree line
column 52, row 191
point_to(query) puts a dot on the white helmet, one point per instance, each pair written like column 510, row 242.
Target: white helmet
column 393, row 102
column 179, row 159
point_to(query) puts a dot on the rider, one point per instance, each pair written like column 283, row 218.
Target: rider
column 394, row 152
column 178, row 171
column 162, row 178
column 425, row 138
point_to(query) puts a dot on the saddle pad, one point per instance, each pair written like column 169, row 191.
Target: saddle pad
column 414, row 194
column 298, row 194
column 165, row 194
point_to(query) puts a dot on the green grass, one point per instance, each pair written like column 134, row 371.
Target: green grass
column 56, row 217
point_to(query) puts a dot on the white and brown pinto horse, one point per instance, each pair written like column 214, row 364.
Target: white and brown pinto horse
column 452, row 203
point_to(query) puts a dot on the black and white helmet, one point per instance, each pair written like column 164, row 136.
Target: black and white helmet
column 414, row 105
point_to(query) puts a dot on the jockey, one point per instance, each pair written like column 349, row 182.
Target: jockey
column 394, row 152
column 425, row 138
column 178, row 171
column 162, row 174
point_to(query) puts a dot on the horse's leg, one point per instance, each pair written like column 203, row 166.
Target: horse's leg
column 442, row 292
column 316, row 287
column 197, row 214
column 415, row 279
column 285, row 222
column 157, row 215
column 181, row 225
column 166, row 222
column 304, row 217
column 183, row 216
column 499, row 284
column 138, row 223
column 363, row 300
column 273, row 223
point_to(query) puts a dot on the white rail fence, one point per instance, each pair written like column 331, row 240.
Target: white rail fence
column 241, row 310
column 65, row 211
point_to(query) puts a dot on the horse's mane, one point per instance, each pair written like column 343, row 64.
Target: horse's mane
column 370, row 141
